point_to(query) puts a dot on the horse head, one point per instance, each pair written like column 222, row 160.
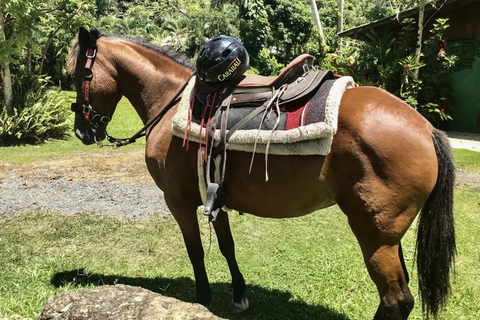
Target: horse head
column 97, row 94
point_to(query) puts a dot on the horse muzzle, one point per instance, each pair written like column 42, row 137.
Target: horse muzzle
column 88, row 131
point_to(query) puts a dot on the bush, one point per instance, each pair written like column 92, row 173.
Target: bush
column 267, row 64
column 390, row 63
column 46, row 116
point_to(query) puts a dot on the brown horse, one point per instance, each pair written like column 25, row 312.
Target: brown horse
column 386, row 164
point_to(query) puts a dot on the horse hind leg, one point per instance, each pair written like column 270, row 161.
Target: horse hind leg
column 402, row 261
column 227, row 247
column 384, row 261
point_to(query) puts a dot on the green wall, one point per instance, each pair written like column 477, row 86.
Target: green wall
column 466, row 99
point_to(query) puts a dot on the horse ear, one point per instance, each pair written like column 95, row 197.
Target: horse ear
column 83, row 39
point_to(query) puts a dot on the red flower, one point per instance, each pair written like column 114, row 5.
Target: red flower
column 441, row 49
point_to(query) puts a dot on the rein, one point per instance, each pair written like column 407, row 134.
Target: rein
column 141, row 133
column 95, row 118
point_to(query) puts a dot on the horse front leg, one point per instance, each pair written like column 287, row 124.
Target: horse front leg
column 186, row 216
column 227, row 247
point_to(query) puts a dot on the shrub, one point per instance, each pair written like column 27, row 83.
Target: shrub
column 46, row 116
column 267, row 64
column 390, row 63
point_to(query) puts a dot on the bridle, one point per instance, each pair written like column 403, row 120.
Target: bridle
column 96, row 118
column 89, row 114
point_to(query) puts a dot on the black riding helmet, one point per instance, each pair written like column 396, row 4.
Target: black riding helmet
column 221, row 61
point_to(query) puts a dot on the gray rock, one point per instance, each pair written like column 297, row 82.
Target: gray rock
column 120, row 302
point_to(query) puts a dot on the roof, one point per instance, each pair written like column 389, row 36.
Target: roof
column 395, row 20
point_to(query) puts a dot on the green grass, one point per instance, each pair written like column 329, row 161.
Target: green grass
column 124, row 124
column 467, row 159
column 303, row 268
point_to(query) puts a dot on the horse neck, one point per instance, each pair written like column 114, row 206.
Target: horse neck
column 149, row 80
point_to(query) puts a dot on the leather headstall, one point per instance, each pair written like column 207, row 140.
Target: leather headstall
column 87, row 110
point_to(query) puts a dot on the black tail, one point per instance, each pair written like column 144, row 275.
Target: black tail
column 436, row 247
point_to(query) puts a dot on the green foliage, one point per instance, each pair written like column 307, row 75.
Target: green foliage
column 204, row 24
column 408, row 79
column 439, row 64
column 291, row 27
column 46, row 116
column 346, row 62
column 254, row 27
column 134, row 19
column 329, row 15
column 268, row 64
column 388, row 62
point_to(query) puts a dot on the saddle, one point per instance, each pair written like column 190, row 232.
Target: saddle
column 257, row 100
column 296, row 76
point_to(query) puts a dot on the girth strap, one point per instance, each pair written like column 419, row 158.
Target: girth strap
column 216, row 196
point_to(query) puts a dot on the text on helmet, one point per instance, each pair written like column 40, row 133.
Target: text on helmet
column 231, row 69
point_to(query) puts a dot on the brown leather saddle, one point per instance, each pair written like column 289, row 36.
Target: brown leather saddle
column 297, row 84
column 252, row 98
column 297, row 77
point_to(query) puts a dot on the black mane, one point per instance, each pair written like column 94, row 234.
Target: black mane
column 175, row 56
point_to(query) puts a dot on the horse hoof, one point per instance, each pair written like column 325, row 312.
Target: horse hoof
column 238, row 307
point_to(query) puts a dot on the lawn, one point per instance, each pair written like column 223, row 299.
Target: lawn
column 302, row 268
column 125, row 123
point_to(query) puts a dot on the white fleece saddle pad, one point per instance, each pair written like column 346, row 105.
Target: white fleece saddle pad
column 310, row 139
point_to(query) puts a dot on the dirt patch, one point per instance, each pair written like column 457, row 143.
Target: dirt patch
column 116, row 185
column 467, row 179
column 120, row 168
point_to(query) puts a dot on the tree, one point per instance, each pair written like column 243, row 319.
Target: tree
column 5, row 72
column 340, row 18
column 316, row 18
column 421, row 18
column 421, row 5
column 67, row 18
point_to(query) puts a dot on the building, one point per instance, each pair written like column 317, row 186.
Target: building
column 464, row 35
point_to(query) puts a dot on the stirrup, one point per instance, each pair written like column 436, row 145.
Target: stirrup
column 215, row 201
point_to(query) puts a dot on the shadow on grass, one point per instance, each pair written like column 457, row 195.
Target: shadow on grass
column 267, row 304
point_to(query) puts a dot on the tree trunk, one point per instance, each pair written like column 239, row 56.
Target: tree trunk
column 6, row 76
column 28, row 60
column 340, row 18
column 421, row 19
column 316, row 18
